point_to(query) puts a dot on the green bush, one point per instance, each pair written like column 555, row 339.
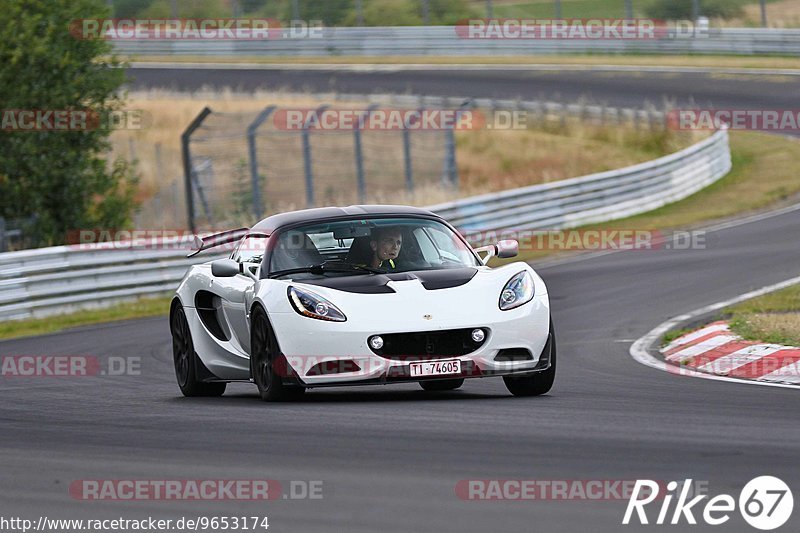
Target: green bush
column 682, row 9
column 60, row 177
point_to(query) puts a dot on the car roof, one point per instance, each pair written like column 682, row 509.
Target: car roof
column 275, row 222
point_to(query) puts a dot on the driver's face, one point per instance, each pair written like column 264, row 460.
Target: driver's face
column 388, row 245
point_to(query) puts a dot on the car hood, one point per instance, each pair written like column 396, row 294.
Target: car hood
column 431, row 280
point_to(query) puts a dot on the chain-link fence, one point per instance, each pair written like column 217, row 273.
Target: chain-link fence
column 242, row 166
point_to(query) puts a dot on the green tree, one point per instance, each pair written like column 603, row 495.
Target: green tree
column 60, row 177
column 682, row 9
column 330, row 12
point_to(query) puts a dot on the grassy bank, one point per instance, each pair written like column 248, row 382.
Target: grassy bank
column 143, row 308
column 765, row 169
column 773, row 318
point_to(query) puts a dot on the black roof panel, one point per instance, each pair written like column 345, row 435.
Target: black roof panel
column 270, row 224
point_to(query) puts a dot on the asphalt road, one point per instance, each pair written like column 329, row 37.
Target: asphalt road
column 622, row 89
column 390, row 457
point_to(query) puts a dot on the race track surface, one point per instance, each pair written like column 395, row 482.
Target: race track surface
column 621, row 89
column 390, row 457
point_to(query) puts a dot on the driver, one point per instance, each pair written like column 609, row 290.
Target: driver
column 385, row 244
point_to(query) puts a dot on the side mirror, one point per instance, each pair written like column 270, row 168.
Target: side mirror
column 225, row 268
column 507, row 249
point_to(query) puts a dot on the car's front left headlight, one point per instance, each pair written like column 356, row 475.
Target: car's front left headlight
column 518, row 291
column 313, row 305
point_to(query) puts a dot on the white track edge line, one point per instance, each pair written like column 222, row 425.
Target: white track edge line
column 640, row 350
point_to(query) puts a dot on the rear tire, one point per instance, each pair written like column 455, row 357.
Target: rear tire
column 185, row 359
column 539, row 383
column 264, row 352
column 441, row 384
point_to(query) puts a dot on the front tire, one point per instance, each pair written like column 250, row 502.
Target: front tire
column 441, row 384
column 185, row 359
column 264, row 353
column 539, row 383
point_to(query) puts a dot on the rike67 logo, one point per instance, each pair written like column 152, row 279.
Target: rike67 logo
column 765, row 503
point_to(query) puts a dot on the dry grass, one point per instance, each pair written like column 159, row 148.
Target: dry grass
column 765, row 170
column 781, row 14
column 500, row 160
column 771, row 318
column 488, row 160
column 142, row 308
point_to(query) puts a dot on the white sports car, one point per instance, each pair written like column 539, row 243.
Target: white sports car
column 359, row 295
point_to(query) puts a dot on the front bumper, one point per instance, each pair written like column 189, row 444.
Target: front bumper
column 327, row 354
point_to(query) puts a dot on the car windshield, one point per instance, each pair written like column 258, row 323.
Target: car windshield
column 373, row 244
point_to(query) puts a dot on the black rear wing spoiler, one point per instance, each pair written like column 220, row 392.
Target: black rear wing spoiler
column 218, row 239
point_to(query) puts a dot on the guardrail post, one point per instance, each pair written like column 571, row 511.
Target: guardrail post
column 187, row 164
column 307, row 161
column 252, row 129
column 3, row 245
column 362, row 182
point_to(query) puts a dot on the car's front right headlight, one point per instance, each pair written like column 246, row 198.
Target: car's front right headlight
column 313, row 305
column 518, row 291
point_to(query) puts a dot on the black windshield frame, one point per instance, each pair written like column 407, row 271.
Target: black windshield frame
column 274, row 238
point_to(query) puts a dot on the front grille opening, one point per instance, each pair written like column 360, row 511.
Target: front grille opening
column 514, row 354
column 429, row 344
column 333, row 367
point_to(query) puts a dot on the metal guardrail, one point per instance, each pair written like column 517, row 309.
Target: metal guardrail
column 446, row 41
column 59, row 279
column 598, row 197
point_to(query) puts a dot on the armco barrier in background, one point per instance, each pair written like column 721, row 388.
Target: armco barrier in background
column 445, row 41
column 58, row 279
column 597, row 197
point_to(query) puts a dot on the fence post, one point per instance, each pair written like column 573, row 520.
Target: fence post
column 3, row 245
column 362, row 181
column 407, row 161
column 451, row 171
column 307, row 161
column 252, row 129
column 187, row 163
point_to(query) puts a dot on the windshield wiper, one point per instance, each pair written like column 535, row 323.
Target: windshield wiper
column 327, row 266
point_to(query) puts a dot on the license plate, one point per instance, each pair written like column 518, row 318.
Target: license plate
column 435, row 368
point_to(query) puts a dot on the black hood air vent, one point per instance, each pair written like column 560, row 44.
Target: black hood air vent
column 377, row 284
